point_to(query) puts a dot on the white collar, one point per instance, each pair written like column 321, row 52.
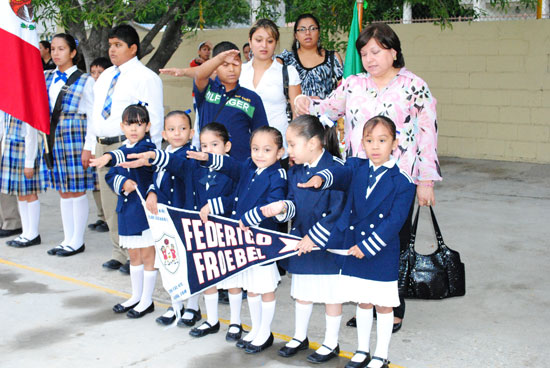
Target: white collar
column 69, row 71
column 389, row 164
column 169, row 149
column 127, row 65
column 316, row 162
column 259, row 171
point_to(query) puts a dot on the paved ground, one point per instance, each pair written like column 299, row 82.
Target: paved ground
column 57, row 312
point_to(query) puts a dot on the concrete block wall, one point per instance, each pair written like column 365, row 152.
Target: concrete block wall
column 491, row 80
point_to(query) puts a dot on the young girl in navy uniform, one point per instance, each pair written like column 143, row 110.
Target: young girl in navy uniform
column 260, row 181
column 314, row 275
column 23, row 174
column 379, row 196
column 200, row 184
column 133, row 229
column 70, row 175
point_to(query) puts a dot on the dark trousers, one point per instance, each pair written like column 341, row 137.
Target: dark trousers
column 404, row 237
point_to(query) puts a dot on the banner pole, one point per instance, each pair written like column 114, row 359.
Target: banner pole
column 360, row 14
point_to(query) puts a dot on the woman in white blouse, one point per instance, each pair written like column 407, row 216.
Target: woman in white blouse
column 264, row 75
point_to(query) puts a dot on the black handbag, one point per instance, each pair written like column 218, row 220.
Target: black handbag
column 285, row 91
column 434, row 276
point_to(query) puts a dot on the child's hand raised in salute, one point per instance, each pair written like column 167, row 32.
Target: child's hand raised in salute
column 199, row 156
column 315, row 182
column 139, row 160
column 273, row 209
column 100, row 161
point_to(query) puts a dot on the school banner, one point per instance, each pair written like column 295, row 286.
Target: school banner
column 192, row 256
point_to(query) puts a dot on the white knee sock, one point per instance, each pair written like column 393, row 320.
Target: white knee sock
column 33, row 210
column 149, row 279
column 235, row 303
column 332, row 329
column 364, row 319
column 192, row 303
column 211, row 302
column 384, row 326
column 136, row 275
column 255, row 307
column 268, row 311
column 80, row 219
column 302, row 313
column 24, row 213
column 66, row 205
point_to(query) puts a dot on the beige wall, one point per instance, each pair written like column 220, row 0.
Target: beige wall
column 491, row 80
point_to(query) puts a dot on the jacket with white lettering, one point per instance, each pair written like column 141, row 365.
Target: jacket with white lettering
column 314, row 213
column 194, row 180
column 372, row 223
column 252, row 192
column 131, row 215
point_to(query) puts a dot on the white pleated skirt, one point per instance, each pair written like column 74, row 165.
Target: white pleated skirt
column 316, row 288
column 261, row 279
column 233, row 282
column 357, row 290
column 137, row 241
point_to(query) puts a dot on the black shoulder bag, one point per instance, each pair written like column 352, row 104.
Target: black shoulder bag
column 54, row 119
column 434, row 276
column 285, row 90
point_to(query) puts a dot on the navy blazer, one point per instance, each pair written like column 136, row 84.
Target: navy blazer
column 372, row 223
column 131, row 215
column 314, row 213
column 192, row 178
column 176, row 187
column 252, row 192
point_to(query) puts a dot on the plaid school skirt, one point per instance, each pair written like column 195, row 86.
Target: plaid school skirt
column 67, row 174
column 12, row 163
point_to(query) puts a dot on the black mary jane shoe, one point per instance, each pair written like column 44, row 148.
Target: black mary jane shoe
column 132, row 313
column 24, row 242
column 385, row 362
column 200, row 332
column 287, row 352
column 255, row 349
column 69, row 251
column 352, row 322
column 362, row 364
column 234, row 336
column 242, row 343
column 190, row 322
column 167, row 321
column 318, row 358
column 54, row 250
column 397, row 327
column 119, row 308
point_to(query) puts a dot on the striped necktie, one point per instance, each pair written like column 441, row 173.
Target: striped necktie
column 106, row 112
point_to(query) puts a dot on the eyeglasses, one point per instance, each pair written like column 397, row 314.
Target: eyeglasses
column 304, row 29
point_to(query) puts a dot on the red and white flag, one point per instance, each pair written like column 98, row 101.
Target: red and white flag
column 23, row 91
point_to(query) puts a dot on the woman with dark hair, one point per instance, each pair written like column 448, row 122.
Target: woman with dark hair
column 388, row 89
column 45, row 53
column 320, row 70
column 69, row 175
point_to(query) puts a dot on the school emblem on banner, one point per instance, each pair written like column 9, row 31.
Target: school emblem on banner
column 168, row 254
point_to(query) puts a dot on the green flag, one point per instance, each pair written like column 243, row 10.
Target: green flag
column 352, row 64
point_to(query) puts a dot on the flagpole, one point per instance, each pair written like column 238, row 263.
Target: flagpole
column 360, row 13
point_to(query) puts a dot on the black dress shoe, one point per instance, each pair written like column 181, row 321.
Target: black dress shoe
column 242, row 344
column 286, row 352
column 318, row 358
column 385, row 362
column 362, row 364
column 119, row 308
column 230, row 336
column 24, row 242
column 69, row 251
column 132, row 313
column 190, row 322
column 53, row 251
column 397, row 327
column 94, row 225
column 167, row 321
column 112, row 264
column 102, row 228
column 5, row 233
column 125, row 268
column 254, row 349
column 200, row 332
column 352, row 322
